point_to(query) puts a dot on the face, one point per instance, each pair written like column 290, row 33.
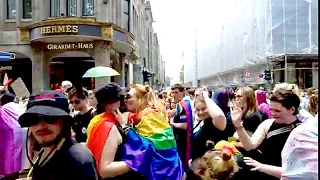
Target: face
column 132, row 101
column 177, row 95
column 173, row 105
column 46, row 129
column 112, row 107
column 92, row 100
column 167, row 104
column 239, row 99
column 280, row 113
column 201, row 110
column 77, row 104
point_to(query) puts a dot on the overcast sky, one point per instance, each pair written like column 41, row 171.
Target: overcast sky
column 173, row 26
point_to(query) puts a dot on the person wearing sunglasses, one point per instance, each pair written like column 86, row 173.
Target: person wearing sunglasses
column 47, row 117
column 79, row 99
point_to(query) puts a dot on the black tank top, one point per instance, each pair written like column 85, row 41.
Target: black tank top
column 271, row 147
column 130, row 175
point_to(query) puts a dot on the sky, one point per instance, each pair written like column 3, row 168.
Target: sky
column 172, row 24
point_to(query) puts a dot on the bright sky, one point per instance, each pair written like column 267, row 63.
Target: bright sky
column 173, row 26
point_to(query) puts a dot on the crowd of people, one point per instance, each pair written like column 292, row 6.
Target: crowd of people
column 141, row 133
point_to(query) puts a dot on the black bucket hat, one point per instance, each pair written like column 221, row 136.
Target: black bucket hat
column 46, row 103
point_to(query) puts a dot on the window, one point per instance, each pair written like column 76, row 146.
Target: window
column 54, row 8
column 87, row 7
column 126, row 15
column 27, row 9
column 11, row 9
column 71, row 7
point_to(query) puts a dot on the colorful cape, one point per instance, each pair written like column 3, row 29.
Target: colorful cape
column 98, row 131
column 11, row 140
column 186, row 105
column 151, row 149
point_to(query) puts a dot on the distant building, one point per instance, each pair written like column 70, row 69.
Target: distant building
column 254, row 36
column 56, row 40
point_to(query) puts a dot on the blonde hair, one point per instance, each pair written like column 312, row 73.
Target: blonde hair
column 291, row 87
column 250, row 98
column 147, row 98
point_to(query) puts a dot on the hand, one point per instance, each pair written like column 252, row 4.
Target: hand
column 205, row 94
column 172, row 113
column 255, row 164
column 236, row 116
column 119, row 117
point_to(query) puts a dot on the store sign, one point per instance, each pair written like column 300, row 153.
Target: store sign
column 5, row 68
column 60, row 29
column 70, row 46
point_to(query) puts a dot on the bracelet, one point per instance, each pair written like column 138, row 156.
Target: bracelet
column 238, row 127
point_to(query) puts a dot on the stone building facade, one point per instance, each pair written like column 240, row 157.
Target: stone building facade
column 56, row 40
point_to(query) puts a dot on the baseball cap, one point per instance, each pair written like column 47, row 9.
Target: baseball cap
column 110, row 93
column 45, row 103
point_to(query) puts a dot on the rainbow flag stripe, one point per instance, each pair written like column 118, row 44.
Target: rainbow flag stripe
column 151, row 149
column 98, row 132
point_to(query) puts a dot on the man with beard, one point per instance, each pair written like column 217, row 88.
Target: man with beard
column 60, row 157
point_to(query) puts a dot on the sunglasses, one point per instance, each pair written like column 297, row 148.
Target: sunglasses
column 47, row 119
column 128, row 96
column 77, row 101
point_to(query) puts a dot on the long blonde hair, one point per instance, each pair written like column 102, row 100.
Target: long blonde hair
column 145, row 95
column 250, row 98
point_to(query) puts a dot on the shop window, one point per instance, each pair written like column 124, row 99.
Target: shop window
column 126, row 12
column 54, row 8
column 87, row 7
column 71, row 7
column 27, row 9
column 11, row 9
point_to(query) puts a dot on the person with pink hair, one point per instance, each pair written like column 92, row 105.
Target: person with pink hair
column 11, row 140
column 261, row 97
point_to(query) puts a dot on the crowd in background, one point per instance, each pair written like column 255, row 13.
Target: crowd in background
column 141, row 133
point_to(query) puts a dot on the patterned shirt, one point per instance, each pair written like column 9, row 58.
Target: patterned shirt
column 300, row 153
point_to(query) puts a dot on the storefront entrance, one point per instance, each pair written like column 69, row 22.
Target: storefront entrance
column 71, row 69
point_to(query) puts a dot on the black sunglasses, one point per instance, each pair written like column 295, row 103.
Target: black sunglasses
column 77, row 101
column 47, row 119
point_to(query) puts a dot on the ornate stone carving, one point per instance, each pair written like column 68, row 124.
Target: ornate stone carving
column 24, row 35
column 107, row 32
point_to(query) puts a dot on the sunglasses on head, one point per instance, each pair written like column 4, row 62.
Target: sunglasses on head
column 47, row 119
column 77, row 101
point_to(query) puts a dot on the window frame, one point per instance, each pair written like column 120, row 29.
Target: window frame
column 23, row 9
column 8, row 11
column 127, row 15
column 83, row 8
column 52, row 11
column 67, row 8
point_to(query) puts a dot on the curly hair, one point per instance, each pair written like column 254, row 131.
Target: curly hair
column 313, row 102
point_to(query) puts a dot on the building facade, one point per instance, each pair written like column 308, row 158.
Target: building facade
column 254, row 36
column 149, row 49
column 56, row 40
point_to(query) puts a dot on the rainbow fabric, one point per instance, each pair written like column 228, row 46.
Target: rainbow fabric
column 187, row 117
column 98, row 131
column 150, row 147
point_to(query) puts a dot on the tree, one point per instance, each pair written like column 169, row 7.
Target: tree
column 181, row 76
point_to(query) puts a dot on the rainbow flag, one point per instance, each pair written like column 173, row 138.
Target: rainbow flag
column 151, row 149
column 187, row 117
column 98, row 131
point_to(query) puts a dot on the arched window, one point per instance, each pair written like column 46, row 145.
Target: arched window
column 87, row 7
column 11, row 9
column 54, row 8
